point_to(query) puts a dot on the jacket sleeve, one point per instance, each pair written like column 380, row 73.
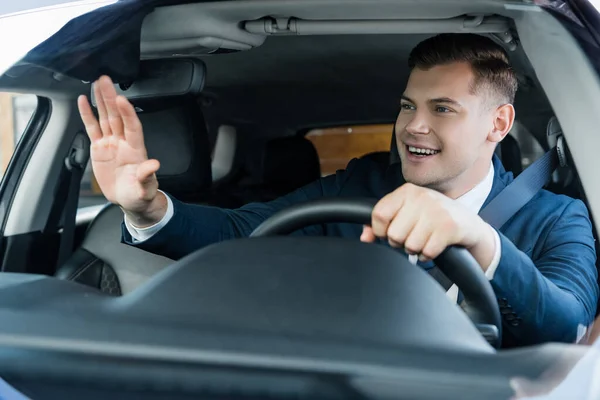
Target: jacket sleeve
column 195, row 226
column 554, row 296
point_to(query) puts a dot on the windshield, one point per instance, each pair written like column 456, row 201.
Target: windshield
column 238, row 116
column 29, row 27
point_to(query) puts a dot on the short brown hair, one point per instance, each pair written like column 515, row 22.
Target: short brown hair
column 487, row 59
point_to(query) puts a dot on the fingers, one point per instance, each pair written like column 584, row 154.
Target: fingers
column 132, row 127
column 146, row 170
column 102, row 113
column 434, row 245
column 367, row 235
column 385, row 211
column 418, row 235
column 416, row 239
column 116, row 115
column 92, row 127
column 410, row 218
column 109, row 96
column 402, row 226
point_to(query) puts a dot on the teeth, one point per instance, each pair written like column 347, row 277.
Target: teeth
column 417, row 150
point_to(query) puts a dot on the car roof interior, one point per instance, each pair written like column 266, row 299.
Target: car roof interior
column 283, row 83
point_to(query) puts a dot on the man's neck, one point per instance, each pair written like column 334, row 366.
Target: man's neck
column 469, row 182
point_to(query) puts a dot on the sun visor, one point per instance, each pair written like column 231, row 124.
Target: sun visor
column 162, row 82
column 103, row 41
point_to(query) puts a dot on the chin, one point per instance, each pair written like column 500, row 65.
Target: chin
column 418, row 178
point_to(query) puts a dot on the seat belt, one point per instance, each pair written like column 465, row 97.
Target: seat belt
column 514, row 196
column 66, row 196
column 520, row 191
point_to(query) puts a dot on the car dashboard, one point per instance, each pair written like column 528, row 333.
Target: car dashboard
column 239, row 320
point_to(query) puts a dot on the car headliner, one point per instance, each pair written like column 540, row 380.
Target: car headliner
column 285, row 83
column 302, row 81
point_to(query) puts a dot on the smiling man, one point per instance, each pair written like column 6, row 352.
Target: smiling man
column 457, row 106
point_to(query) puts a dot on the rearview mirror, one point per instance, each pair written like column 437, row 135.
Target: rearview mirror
column 161, row 81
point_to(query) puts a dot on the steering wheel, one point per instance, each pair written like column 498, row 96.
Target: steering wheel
column 455, row 262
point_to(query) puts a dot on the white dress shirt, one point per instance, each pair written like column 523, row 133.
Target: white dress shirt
column 473, row 200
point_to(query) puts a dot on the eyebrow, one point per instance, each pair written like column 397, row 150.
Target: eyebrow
column 446, row 100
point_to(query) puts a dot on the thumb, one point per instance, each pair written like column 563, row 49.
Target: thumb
column 367, row 234
column 146, row 170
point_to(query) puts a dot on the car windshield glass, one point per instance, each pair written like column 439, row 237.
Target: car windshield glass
column 278, row 107
column 29, row 28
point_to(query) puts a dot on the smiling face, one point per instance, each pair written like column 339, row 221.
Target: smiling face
column 447, row 132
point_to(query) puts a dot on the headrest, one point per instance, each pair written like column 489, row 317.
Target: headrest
column 224, row 152
column 289, row 162
column 177, row 137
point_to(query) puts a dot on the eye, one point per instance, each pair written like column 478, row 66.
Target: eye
column 442, row 109
column 407, row 107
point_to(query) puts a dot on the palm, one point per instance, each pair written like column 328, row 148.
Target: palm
column 115, row 163
column 118, row 155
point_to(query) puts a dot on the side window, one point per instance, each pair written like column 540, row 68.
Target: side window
column 337, row 146
column 90, row 194
column 16, row 110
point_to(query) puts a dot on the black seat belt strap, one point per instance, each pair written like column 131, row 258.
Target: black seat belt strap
column 70, row 215
column 66, row 197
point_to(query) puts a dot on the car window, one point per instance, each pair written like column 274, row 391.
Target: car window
column 336, row 146
column 16, row 110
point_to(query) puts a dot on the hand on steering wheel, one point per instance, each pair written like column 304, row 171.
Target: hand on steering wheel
column 456, row 262
column 424, row 222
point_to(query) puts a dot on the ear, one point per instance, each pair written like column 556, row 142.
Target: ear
column 504, row 117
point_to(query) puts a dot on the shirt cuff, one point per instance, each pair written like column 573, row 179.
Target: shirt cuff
column 491, row 269
column 140, row 234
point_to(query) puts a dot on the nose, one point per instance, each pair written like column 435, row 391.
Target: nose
column 414, row 123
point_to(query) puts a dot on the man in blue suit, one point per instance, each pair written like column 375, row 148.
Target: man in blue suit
column 457, row 106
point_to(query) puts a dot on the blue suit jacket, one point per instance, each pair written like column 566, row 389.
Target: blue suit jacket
column 546, row 281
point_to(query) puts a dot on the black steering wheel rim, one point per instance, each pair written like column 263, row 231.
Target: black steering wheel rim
column 455, row 262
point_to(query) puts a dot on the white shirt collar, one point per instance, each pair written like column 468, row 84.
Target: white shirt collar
column 474, row 198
